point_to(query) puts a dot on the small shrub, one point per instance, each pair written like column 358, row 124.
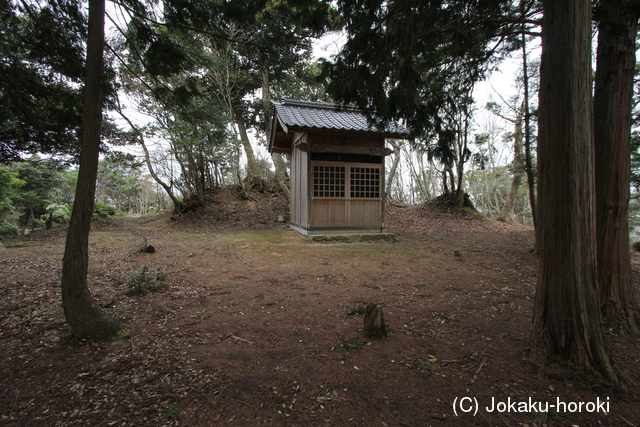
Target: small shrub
column 173, row 412
column 102, row 210
column 7, row 230
column 141, row 283
column 352, row 311
column 426, row 364
column 58, row 213
column 353, row 345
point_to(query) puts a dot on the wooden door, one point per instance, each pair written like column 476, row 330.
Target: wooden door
column 365, row 201
column 346, row 195
column 329, row 195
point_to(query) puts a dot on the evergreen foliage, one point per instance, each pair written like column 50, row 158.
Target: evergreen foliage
column 142, row 283
column 42, row 184
column 41, row 70
column 418, row 62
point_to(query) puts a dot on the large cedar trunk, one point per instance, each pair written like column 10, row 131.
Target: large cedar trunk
column 567, row 320
column 612, row 130
column 86, row 319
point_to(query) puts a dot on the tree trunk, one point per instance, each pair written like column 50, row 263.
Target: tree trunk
column 445, row 183
column 31, row 220
column 86, row 319
column 252, row 165
column 266, row 100
column 282, row 176
column 49, row 224
column 516, row 166
column 394, row 167
column 462, row 148
column 281, row 173
column 527, row 142
column 177, row 204
column 612, row 131
column 567, row 320
column 243, row 189
column 452, row 179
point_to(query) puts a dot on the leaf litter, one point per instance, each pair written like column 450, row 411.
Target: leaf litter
column 249, row 324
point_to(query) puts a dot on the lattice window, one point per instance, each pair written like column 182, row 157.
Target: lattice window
column 365, row 182
column 328, row 181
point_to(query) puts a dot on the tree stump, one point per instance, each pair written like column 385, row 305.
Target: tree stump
column 145, row 248
column 374, row 325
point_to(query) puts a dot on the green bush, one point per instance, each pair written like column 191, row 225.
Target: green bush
column 352, row 311
column 7, row 230
column 57, row 213
column 61, row 213
column 102, row 210
column 141, row 283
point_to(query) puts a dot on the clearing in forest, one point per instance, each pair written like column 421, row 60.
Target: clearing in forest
column 251, row 324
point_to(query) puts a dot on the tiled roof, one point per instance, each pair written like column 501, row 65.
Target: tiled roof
column 314, row 115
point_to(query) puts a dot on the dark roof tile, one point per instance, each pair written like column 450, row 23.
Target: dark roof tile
column 314, row 115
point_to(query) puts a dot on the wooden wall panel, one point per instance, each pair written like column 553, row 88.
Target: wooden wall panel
column 299, row 203
column 304, row 184
column 365, row 213
column 328, row 213
column 347, row 140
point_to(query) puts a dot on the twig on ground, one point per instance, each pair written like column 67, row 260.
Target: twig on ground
column 485, row 417
column 247, row 404
column 502, row 419
column 629, row 423
column 43, row 329
column 15, row 404
column 537, row 364
column 394, row 418
column 287, row 311
column 237, row 338
column 483, row 361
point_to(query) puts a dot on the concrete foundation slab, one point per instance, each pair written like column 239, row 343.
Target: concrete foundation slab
column 352, row 237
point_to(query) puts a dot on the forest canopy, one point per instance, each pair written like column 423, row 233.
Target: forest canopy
column 189, row 91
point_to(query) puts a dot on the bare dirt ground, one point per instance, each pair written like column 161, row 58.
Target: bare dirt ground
column 253, row 325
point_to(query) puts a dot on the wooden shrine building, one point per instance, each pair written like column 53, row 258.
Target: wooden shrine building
column 337, row 166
